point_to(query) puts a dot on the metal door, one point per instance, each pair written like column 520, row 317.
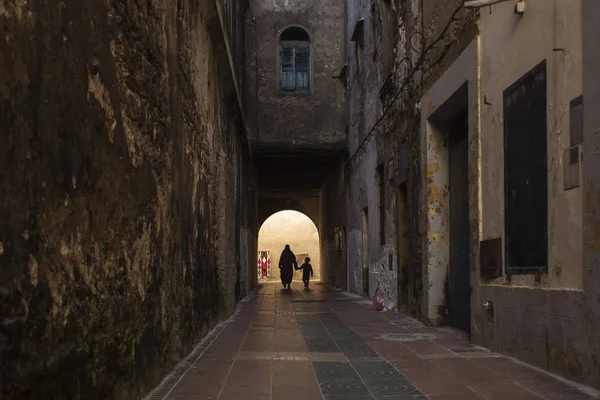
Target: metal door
column 526, row 178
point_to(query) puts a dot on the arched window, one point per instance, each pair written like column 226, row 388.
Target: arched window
column 294, row 61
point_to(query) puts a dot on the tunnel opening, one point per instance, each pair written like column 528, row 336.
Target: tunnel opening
column 283, row 228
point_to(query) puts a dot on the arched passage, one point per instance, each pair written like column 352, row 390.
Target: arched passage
column 297, row 230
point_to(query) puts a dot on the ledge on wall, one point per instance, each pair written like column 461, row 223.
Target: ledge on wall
column 358, row 29
column 340, row 73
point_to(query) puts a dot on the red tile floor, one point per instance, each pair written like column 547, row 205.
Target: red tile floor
column 325, row 344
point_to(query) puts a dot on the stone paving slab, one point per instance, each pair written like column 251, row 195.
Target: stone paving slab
column 323, row 344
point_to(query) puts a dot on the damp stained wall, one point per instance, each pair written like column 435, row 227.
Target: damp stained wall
column 122, row 166
column 455, row 90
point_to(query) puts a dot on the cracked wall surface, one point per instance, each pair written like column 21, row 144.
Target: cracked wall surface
column 121, row 166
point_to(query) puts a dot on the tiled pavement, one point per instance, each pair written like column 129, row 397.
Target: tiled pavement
column 324, row 344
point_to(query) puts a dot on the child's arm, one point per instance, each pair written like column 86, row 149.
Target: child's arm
column 311, row 271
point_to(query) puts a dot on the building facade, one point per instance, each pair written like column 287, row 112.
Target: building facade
column 127, row 198
column 396, row 51
column 536, row 270
column 470, row 202
column 296, row 113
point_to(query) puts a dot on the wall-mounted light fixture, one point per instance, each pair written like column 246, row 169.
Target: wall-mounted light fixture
column 520, row 7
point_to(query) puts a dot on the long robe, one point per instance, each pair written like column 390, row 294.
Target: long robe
column 287, row 263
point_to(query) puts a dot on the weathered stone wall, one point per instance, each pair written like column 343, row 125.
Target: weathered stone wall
column 384, row 129
column 364, row 81
column 313, row 119
column 121, row 166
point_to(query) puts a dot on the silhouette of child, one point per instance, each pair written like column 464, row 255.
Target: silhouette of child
column 307, row 271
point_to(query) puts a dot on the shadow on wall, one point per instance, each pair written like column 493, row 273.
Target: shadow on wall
column 295, row 229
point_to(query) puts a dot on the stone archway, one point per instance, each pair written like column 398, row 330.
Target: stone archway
column 293, row 228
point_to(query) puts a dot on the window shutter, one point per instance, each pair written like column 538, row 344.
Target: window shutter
column 303, row 67
column 288, row 66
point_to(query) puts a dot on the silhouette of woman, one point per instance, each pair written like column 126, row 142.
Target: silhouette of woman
column 287, row 264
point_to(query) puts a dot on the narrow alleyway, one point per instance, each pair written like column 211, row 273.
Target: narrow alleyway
column 325, row 344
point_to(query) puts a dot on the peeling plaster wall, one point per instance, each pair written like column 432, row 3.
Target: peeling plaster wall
column 436, row 253
column 121, row 166
column 554, row 323
column 313, row 119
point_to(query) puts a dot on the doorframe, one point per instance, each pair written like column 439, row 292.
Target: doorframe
column 455, row 314
column 459, row 84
